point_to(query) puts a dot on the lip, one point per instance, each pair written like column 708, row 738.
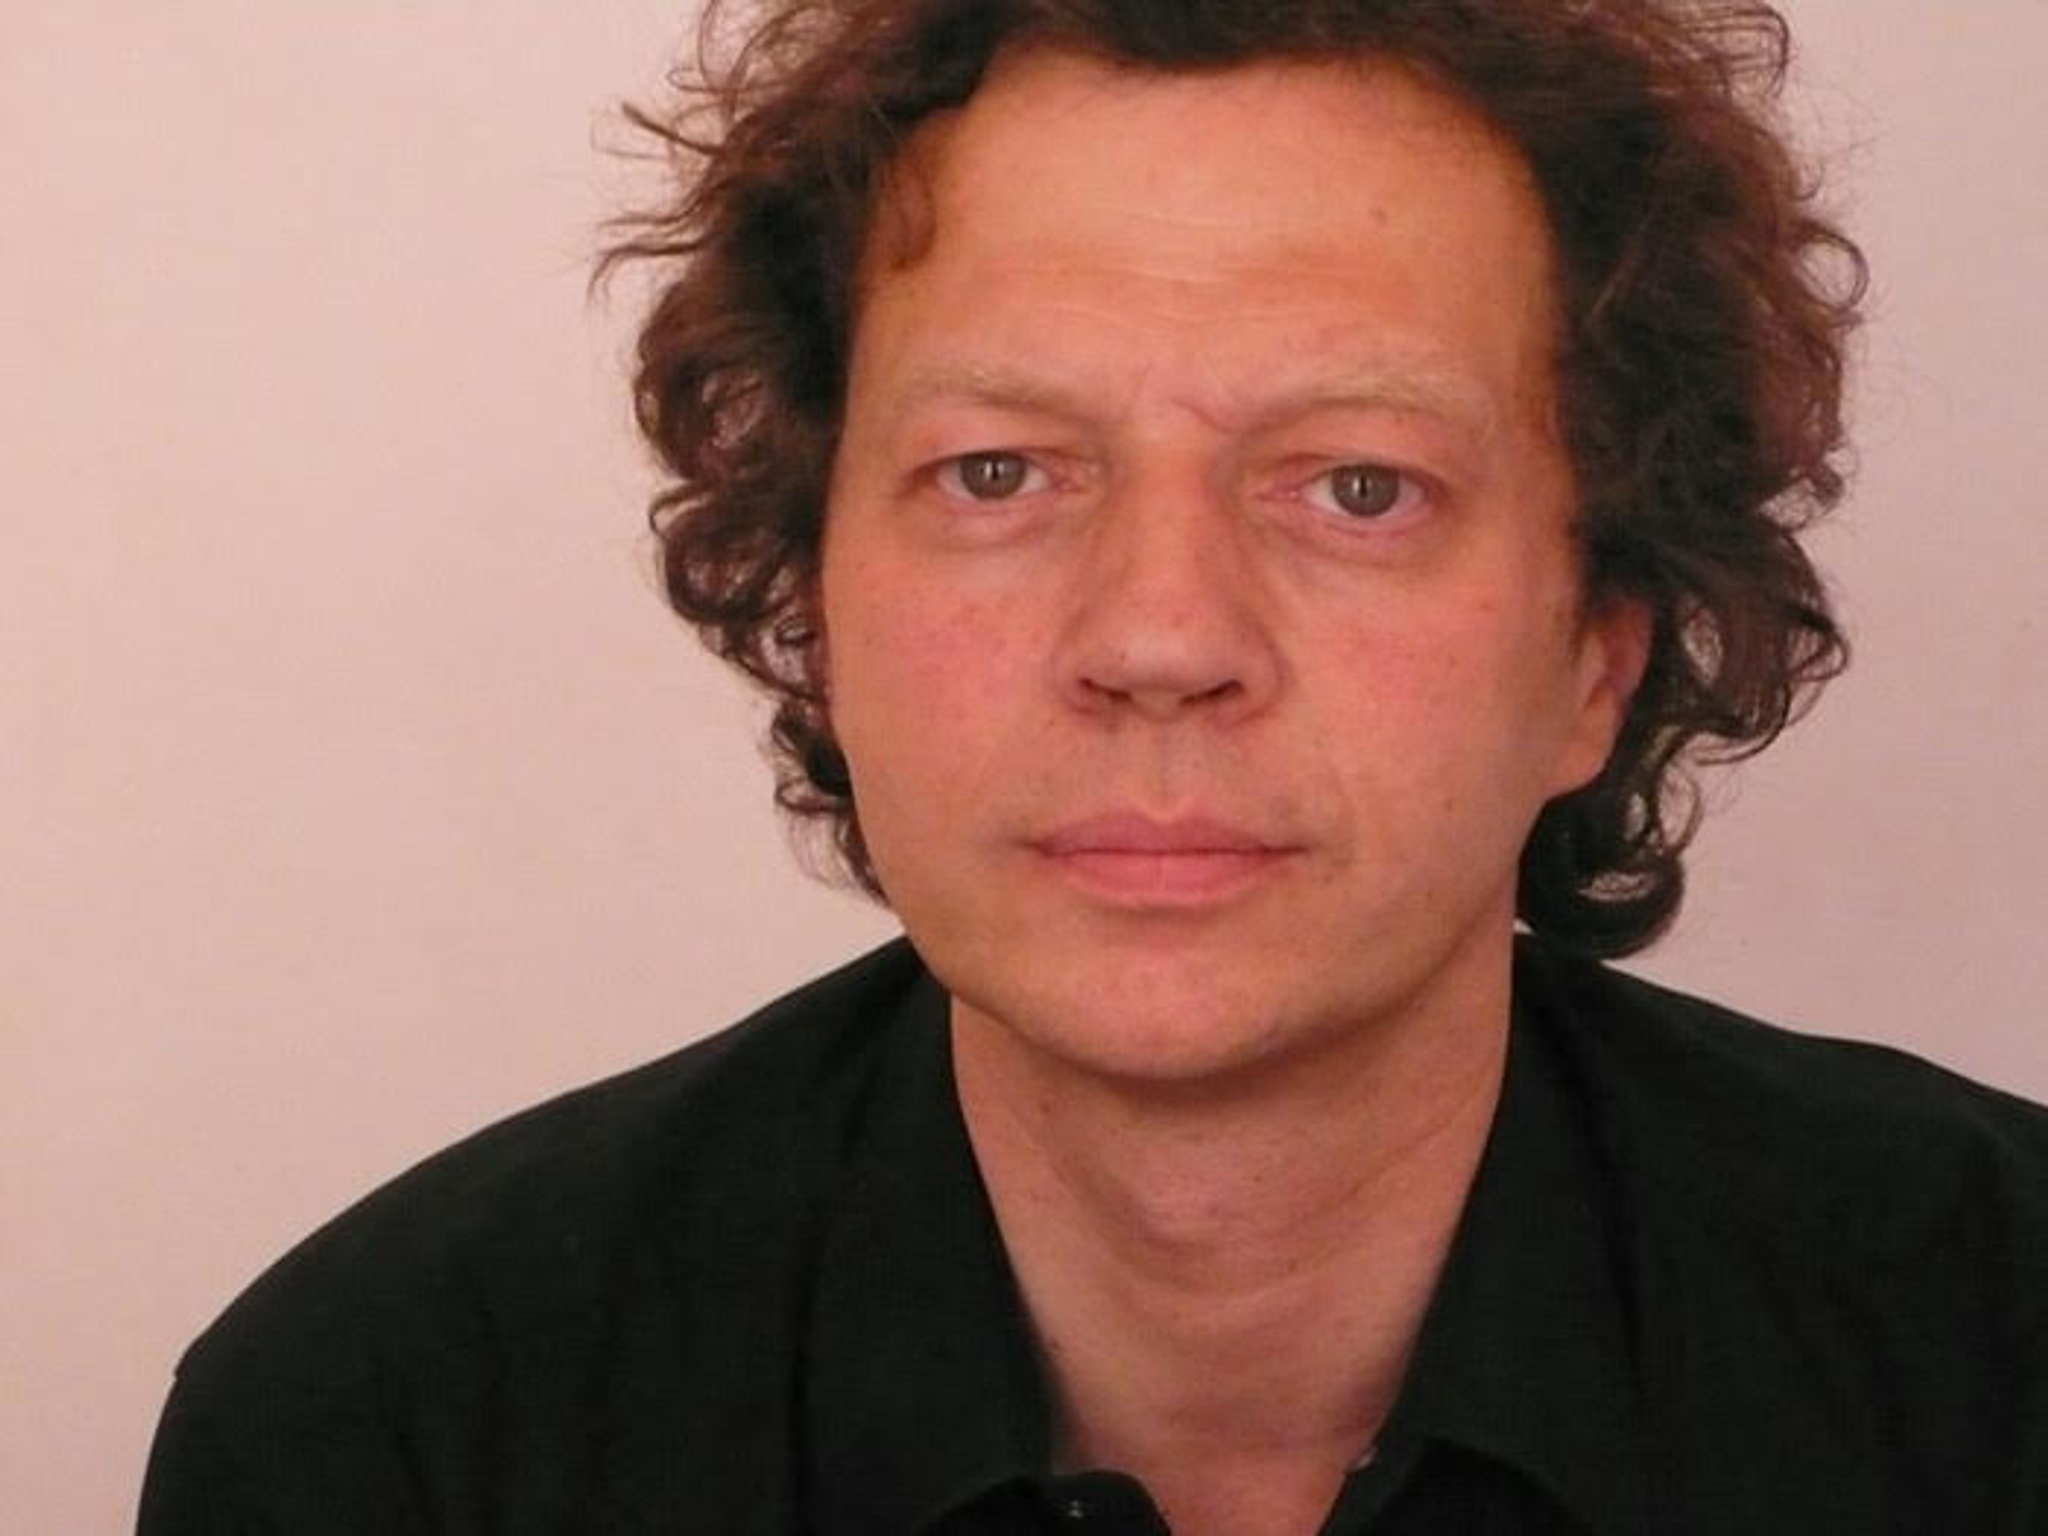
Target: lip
column 1133, row 860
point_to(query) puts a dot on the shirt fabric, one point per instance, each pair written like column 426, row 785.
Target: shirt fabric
column 1711, row 1277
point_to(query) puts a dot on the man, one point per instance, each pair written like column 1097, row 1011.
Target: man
column 1237, row 507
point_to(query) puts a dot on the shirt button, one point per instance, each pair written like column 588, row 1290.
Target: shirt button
column 1075, row 1509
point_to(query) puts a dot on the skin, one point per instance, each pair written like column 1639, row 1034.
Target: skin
column 1204, row 634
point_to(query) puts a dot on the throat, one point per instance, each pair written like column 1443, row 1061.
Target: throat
column 1226, row 1300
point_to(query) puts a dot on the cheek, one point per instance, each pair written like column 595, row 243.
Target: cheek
column 920, row 687
column 1472, row 692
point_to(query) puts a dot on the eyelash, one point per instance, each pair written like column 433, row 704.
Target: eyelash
column 1317, row 490
column 950, row 473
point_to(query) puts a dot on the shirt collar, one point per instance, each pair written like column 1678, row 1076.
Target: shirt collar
column 1524, row 1355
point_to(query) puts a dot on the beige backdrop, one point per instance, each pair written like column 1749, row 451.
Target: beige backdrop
column 354, row 787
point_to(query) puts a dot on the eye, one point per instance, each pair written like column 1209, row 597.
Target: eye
column 990, row 475
column 1362, row 491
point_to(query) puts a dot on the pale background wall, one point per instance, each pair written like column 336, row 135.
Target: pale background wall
column 355, row 789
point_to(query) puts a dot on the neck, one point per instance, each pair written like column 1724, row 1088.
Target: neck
column 1226, row 1280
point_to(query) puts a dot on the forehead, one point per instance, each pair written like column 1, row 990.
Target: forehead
column 1079, row 113
column 1305, row 215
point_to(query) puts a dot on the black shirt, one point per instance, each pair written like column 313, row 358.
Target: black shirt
column 1711, row 1277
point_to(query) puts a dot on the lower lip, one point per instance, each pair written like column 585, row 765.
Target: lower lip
column 1195, row 878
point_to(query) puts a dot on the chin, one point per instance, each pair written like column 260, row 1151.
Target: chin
column 1164, row 1031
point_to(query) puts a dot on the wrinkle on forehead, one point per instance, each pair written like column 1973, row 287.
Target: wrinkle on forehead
column 1338, row 381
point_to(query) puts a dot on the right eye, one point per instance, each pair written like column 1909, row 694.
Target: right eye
column 1364, row 491
column 990, row 475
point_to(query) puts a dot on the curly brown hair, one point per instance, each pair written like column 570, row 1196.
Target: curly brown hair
column 1705, row 305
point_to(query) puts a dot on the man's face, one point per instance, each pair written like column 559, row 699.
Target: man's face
column 1203, row 628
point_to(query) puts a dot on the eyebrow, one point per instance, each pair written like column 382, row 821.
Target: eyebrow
column 977, row 385
column 1411, row 387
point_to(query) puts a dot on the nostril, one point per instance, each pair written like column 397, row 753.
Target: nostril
column 1162, row 702
column 1165, row 615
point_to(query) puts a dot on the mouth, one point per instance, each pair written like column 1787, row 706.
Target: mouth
column 1135, row 861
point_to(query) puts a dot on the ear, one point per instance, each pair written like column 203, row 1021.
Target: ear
column 1613, row 650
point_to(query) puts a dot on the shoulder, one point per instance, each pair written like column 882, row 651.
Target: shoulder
column 1802, row 1109
column 1704, row 1070
column 708, row 1162
column 1836, row 1254
column 1735, row 1111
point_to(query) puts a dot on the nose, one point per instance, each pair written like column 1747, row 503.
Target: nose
column 1167, row 619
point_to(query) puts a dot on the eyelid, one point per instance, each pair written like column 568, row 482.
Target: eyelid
column 1414, row 487
column 945, row 472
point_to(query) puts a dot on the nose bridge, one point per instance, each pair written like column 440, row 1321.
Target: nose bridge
column 1166, row 611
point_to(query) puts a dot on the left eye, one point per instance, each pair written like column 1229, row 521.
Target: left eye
column 1362, row 491
column 992, row 475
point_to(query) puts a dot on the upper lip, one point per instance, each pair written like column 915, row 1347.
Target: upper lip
column 1135, row 832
